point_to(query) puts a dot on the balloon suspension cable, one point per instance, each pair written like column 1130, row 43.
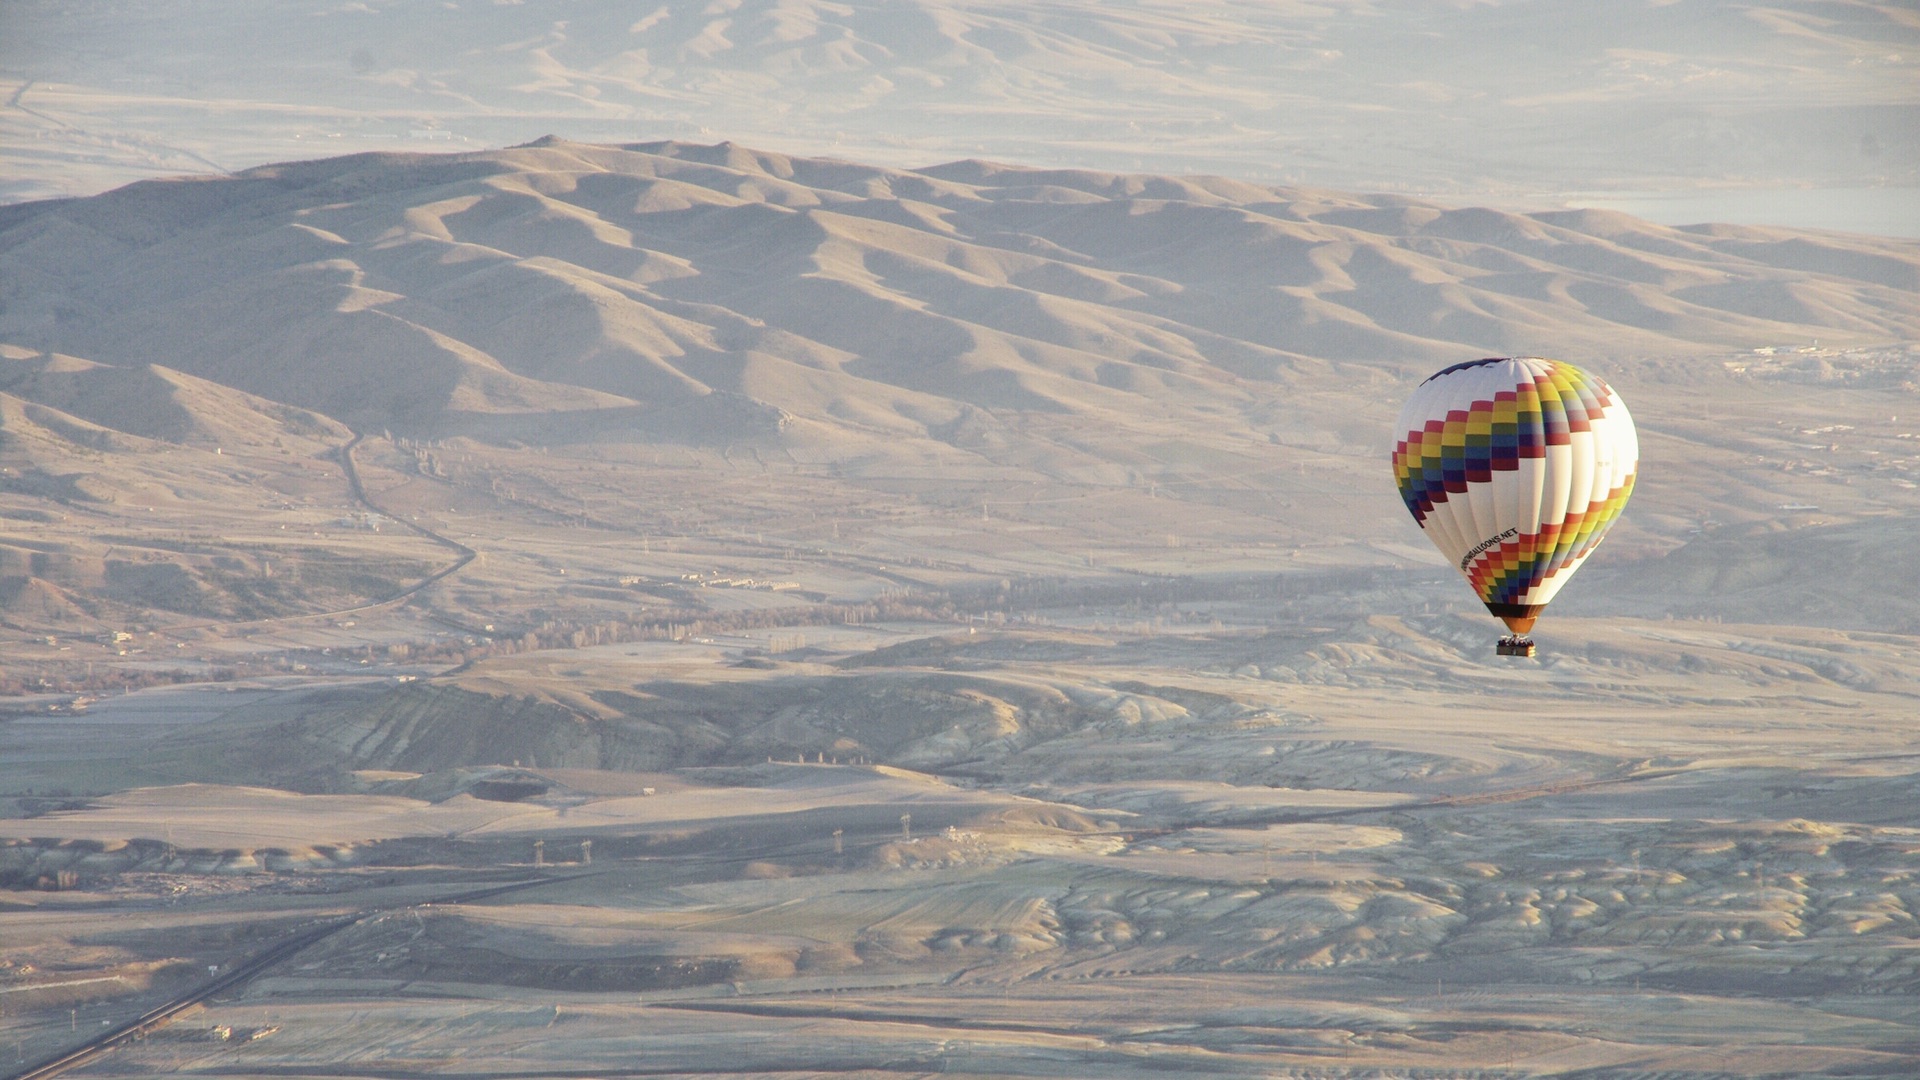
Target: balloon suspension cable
column 1515, row 645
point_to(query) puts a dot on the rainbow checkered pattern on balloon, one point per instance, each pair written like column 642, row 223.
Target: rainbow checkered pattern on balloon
column 1472, row 444
column 1505, row 574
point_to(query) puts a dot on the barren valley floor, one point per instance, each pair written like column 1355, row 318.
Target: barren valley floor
column 1230, row 852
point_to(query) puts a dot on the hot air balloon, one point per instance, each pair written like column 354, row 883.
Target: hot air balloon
column 1515, row 468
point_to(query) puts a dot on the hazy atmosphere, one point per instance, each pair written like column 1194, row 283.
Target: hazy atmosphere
column 1794, row 113
column 859, row 540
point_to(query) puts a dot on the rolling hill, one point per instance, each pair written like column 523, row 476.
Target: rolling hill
column 459, row 293
column 1068, row 342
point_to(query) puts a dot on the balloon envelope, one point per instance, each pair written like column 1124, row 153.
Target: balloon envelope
column 1515, row 468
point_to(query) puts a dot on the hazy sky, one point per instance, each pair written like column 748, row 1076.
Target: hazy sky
column 1508, row 101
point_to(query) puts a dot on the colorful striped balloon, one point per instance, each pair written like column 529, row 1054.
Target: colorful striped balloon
column 1515, row 468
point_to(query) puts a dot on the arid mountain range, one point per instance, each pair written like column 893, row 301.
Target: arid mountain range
column 432, row 295
column 1069, row 342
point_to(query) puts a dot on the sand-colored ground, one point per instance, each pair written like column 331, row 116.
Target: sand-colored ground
column 945, row 621
column 1601, row 863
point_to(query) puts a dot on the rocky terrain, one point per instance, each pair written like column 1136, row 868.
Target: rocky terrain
column 883, row 622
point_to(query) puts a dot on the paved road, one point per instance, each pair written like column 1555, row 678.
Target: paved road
column 274, row 955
